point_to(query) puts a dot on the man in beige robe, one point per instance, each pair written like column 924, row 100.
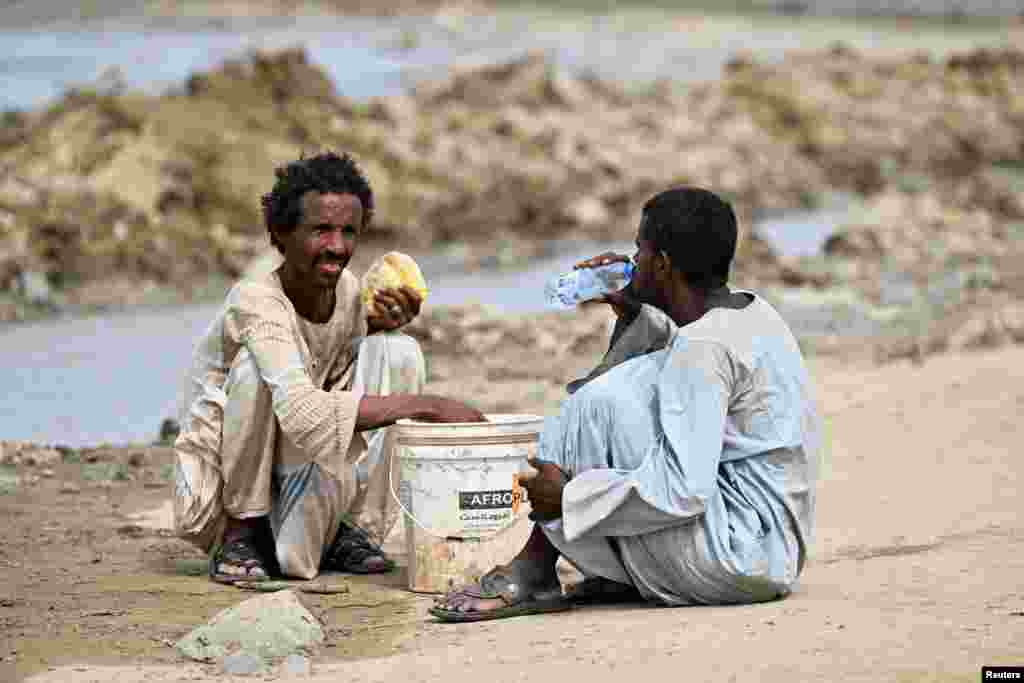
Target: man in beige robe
column 287, row 379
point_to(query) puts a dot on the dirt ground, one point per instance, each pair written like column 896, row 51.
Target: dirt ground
column 915, row 574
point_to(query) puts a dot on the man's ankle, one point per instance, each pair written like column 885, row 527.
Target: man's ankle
column 533, row 571
column 238, row 529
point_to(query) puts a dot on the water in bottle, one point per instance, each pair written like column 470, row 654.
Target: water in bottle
column 569, row 289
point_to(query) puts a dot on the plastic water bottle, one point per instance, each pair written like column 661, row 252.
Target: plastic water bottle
column 569, row 289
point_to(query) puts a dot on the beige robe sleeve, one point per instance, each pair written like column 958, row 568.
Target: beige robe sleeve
column 321, row 423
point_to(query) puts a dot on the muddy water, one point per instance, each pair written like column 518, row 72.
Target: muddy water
column 380, row 56
column 113, row 378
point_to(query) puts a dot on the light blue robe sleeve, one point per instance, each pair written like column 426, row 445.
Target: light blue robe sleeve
column 679, row 473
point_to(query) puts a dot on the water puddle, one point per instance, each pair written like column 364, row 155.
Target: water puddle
column 803, row 233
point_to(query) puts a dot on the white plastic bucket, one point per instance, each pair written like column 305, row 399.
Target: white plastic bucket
column 459, row 489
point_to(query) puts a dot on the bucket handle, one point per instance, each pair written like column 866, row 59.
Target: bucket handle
column 529, row 473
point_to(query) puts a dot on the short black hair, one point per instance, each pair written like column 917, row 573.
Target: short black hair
column 326, row 172
column 697, row 229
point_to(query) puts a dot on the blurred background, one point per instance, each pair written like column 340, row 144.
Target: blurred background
column 874, row 152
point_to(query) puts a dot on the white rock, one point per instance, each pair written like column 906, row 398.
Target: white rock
column 269, row 626
column 34, row 287
column 242, row 664
column 296, row 665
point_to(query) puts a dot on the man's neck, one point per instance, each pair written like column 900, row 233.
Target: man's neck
column 694, row 304
column 723, row 297
column 315, row 304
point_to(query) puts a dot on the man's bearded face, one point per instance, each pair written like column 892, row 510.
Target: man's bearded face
column 645, row 285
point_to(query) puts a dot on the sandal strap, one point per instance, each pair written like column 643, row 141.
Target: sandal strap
column 240, row 552
column 243, row 553
column 352, row 545
column 499, row 583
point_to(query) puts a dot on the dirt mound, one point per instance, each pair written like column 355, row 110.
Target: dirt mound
column 278, row 8
column 866, row 121
column 166, row 189
column 475, row 340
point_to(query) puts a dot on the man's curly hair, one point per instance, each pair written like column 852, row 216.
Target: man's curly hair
column 697, row 229
column 326, row 172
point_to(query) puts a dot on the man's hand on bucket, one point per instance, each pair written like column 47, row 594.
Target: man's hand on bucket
column 443, row 409
column 544, row 490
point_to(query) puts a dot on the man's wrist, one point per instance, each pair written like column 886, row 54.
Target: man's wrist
column 424, row 408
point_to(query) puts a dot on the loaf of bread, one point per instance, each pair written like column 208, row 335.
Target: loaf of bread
column 391, row 271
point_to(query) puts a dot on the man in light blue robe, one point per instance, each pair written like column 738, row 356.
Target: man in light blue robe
column 682, row 469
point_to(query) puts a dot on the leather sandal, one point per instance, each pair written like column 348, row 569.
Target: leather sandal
column 353, row 552
column 240, row 552
column 501, row 583
column 597, row 590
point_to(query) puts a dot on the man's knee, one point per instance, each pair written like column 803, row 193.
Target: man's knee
column 197, row 512
column 390, row 363
column 203, row 527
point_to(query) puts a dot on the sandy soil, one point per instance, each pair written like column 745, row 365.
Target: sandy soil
column 915, row 575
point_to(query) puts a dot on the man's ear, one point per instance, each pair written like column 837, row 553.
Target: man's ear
column 664, row 263
column 276, row 238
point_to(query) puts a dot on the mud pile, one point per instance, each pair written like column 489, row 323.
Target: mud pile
column 935, row 148
column 108, row 190
column 248, row 8
column 475, row 340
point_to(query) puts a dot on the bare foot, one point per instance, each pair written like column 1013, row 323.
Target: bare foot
column 502, row 587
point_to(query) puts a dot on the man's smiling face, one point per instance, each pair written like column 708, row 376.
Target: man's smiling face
column 321, row 245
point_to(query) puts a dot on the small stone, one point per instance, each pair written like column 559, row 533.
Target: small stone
column 138, row 459
column 323, row 588
column 263, row 586
column 34, row 287
column 169, row 430
column 47, row 474
column 241, row 664
column 68, row 487
column 296, row 665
